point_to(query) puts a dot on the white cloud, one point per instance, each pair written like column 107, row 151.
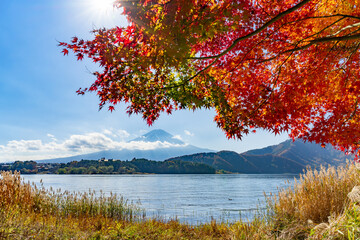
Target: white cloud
column 88, row 142
column 123, row 134
column 108, row 132
column 178, row 137
column 24, row 145
column 74, row 145
column 51, row 136
column 117, row 133
column 188, row 133
column 140, row 145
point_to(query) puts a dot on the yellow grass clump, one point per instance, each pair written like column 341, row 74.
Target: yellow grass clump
column 313, row 201
column 29, row 198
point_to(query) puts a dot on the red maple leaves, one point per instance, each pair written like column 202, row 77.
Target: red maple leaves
column 65, row 51
column 284, row 66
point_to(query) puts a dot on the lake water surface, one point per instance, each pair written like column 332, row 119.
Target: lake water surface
column 191, row 198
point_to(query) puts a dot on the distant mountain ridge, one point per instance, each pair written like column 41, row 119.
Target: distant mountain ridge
column 286, row 157
column 174, row 148
column 306, row 153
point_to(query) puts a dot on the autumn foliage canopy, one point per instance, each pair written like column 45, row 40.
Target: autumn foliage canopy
column 283, row 66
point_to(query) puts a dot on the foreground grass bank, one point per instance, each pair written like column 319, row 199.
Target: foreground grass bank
column 316, row 207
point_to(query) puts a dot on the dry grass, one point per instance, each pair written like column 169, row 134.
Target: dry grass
column 315, row 207
column 28, row 197
column 27, row 211
column 316, row 197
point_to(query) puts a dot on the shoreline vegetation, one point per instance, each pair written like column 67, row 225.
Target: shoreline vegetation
column 321, row 204
column 110, row 166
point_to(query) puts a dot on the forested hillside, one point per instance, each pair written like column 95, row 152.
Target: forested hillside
column 110, row 167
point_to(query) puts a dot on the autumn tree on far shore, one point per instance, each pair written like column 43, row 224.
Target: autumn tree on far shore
column 283, row 66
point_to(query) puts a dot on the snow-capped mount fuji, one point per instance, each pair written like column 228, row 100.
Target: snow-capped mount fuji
column 158, row 135
column 155, row 145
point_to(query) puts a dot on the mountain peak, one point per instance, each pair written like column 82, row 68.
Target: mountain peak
column 158, row 135
column 174, row 149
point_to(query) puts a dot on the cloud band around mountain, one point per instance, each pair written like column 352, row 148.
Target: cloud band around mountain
column 75, row 144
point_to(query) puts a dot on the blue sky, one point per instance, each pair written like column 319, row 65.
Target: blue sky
column 40, row 113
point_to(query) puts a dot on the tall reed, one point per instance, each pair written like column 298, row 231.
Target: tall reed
column 30, row 198
column 314, row 198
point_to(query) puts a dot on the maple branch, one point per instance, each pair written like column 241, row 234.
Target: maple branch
column 322, row 30
column 355, row 108
column 352, row 53
column 236, row 41
column 315, row 41
column 343, row 16
column 352, row 115
column 263, row 27
column 338, row 15
column 324, row 39
column 331, row 39
column 347, row 27
column 320, row 17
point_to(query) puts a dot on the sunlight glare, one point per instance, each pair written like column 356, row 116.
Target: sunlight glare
column 101, row 6
column 98, row 13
